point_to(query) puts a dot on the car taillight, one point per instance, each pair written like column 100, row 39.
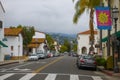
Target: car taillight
column 82, row 61
column 95, row 62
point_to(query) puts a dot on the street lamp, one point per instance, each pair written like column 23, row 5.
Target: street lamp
column 115, row 14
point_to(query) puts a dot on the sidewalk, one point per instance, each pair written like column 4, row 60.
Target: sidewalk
column 108, row 72
column 11, row 61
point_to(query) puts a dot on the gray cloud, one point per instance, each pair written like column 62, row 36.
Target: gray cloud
column 45, row 15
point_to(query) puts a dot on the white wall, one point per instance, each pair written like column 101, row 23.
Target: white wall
column 83, row 41
column 2, row 14
column 17, row 43
column 39, row 35
column 41, row 47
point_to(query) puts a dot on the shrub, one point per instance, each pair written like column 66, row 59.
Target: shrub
column 101, row 61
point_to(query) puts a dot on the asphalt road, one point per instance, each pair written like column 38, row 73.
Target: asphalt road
column 56, row 68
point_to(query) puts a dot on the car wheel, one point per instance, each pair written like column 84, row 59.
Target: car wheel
column 79, row 67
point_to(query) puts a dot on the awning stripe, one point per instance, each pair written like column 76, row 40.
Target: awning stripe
column 3, row 44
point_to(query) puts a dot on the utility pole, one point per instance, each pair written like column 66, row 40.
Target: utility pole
column 108, row 42
column 101, row 35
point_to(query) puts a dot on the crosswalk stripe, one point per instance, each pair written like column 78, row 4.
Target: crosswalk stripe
column 28, row 76
column 96, row 78
column 74, row 77
column 51, row 77
column 6, row 76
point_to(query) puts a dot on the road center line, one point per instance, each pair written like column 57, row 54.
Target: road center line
column 43, row 67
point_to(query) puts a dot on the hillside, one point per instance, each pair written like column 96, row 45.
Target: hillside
column 60, row 37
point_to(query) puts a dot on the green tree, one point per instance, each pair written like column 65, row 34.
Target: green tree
column 50, row 41
column 75, row 47
column 67, row 44
column 63, row 48
column 27, row 34
column 80, row 7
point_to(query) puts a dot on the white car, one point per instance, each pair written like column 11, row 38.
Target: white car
column 33, row 57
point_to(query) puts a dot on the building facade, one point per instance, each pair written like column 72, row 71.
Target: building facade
column 14, row 40
column 2, row 45
column 38, row 43
column 84, row 42
column 113, row 4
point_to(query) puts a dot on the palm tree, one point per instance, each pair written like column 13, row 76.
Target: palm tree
column 80, row 7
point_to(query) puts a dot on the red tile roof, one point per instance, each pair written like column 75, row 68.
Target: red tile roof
column 88, row 32
column 33, row 45
column 12, row 31
column 38, row 40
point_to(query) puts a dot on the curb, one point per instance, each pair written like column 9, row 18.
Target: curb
column 11, row 62
column 108, row 73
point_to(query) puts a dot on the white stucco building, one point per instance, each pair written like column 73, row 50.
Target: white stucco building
column 38, row 43
column 56, row 46
column 2, row 45
column 14, row 40
column 83, row 42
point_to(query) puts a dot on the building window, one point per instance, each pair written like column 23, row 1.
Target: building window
column 11, row 48
column 0, row 24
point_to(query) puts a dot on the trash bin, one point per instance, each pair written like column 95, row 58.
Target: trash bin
column 7, row 57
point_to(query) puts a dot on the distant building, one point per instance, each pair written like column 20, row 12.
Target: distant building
column 14, row 40
column 38, row 43
column 84, row 43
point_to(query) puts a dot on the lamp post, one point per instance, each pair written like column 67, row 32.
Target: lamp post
column 115, row 14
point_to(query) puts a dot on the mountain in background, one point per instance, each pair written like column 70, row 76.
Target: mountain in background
column 60, row 37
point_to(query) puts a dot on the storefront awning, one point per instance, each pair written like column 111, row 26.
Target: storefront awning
column 106, row 38
column 118, row 34
column 2, row 44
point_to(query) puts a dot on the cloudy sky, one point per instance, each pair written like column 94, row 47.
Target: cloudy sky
column 44, row 15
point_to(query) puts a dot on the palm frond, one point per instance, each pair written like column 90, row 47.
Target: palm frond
column 94, row 3
column 77, row 15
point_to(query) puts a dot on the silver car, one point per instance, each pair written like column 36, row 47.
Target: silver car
column 33, row 57
column 41, row 55
column 86, row 60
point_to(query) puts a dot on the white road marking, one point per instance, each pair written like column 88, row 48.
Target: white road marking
column 51, row 77
column 17, row 69
column 74, row 77
column 6, row 76
column 17, row 66
column 41, row 62
column 96, row 78
column 28, row 76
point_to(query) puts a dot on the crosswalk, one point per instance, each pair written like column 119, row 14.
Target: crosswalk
column 46, row 76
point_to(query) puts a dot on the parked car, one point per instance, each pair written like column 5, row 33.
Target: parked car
column 86, row 60
column 33, row 57
column 75, row 55
column 56, row 54
column 49, row 55
column 41, row 55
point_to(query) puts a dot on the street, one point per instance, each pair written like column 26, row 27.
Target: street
column 56, row 68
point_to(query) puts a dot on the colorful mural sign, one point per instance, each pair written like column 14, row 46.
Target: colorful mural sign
column 103, row 18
